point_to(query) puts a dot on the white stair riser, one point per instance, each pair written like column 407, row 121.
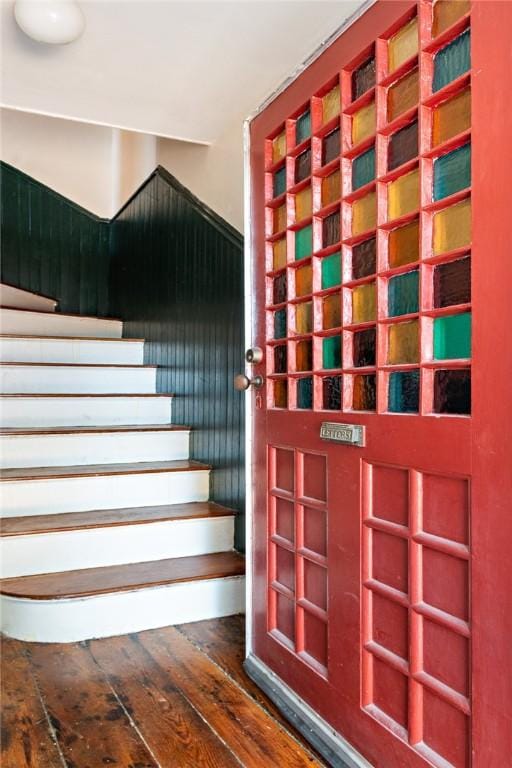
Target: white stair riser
column 16, row 297
column 54, row 324
column 118, row 613
column 34, row 350
column 77, row 380
column 115, row 545
column 92, row 448
column 79, row 494
column 83, row 411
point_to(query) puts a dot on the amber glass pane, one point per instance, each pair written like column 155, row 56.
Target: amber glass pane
column 303, row 204
column 364, row 350
column 404, row 343
column 404, row 244
column 331, row 311
column 331, row 229
column 363, row 123
column 279, row 253
column 280, row 394
column 404, row 194
column 452, row 227
column 279, row 289
column 280, row 218
column 331, row 104
column 331, row 146
column 452, row 283
column 364, row 396
column 280, row 359
column 446, row 13
column 304, row 356
column 451, row 117
column 364, row 214
column 279, row 147
column 452, row 392
column 304, row 280
column 304, row 317
column 364, row 303
column 331, row 188
column 303, row 166
column 364, row 258
column 331, row 387
column 403, row 95
column 363, row 78
column 403, row 45
column 403, row 146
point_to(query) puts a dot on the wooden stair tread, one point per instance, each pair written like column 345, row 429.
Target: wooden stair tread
column 107, row 518
column 121, row 578
column 77, row 365
column 84, row 394
column 20, row 431
column 49, row 337
column 94, row 470
column 62, row 314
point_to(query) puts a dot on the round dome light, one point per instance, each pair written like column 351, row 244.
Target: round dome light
column 50, row 21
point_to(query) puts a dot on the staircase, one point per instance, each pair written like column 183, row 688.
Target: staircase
column 106, row 523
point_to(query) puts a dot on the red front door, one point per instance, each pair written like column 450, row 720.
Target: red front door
column 380, row 274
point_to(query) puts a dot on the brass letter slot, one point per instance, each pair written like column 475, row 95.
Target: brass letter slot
column 348, row 434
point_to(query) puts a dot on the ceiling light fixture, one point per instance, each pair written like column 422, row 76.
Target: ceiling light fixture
column 50, row 21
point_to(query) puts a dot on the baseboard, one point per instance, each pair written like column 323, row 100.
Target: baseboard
column 334, row 748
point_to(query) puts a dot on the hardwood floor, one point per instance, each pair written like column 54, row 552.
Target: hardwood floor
column 166, row 698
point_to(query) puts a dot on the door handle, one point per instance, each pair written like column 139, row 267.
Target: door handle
column 244, row 382
column 254, row 355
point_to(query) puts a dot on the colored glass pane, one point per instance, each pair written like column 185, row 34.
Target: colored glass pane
column 331, row 104
column 304, row 280
column 452, row 337
column 280, row 359
column 331, row 352
column 303, row 242
column 451, row 117
column 305, row 393
column 304, row 356
column 452, row 391
column 331, row 188
column 331, row 270
column 331, row 146
column 279, row 289
column 403, row 45
column 363, row 123
column 303, row 127
column 404, row 244
column 304, row 317
column 446, row 13
column 363, row 78
column 452, row 227
column 364, row 258
column 303, row 204
column 280, row 394
column 404, row 392
column 403, row 294
column 452, row 61
column 403, row 145
column 279, row 253
column 364, row 396
column 364, row 214
column 404, row 194
column 331, row 311
column 279, row 147
column 280, row 324
column 403, row 343
column 403, row 95
column 452, row 283
column 279, row 185
column 303, row 166
column 280, row 218
column 364, row 347
column 452, row 172
column 363, row 168
column 364, row 303
column 331, row 390
column 331, row 229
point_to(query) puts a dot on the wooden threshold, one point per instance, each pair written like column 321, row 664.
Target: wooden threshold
column 36, row 431
column 96, row 470
column 121, row 578
column 109, row 518
column 67, row 338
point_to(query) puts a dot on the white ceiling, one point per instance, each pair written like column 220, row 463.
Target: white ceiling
column 177, row 69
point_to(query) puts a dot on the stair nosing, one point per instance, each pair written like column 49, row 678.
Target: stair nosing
column 63, row 314
column 128, row 468
column 91, row 430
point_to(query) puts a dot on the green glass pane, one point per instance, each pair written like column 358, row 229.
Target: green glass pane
column 452, row 337
column 452, row 61
column 304, row 242
column 303, row 127
column 403, row 294
column 305, row 393
column 280, row 182
column 331, row 270
column 452, row 172
column 280, row 324
column 404, row 392
column 331, row 352
column 363, row 169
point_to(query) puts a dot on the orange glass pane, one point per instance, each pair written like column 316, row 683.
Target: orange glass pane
column 279, row 147
column 280, row 218
column 304, row 317
column 403, row 95
column 331, row 104
column 304, row 280
column 403, row 45
column 364, row 214
column 304, row 356
column 451, row 117
column 364, row 303
column 279, row 253
column 403, row 346
column 303, row 204
column 331, row 311
column 452, row 227
column 331, row 188
column 404, row 194
column 281, row 393
column 446, row 13
column 363, row 123
column 404, row 244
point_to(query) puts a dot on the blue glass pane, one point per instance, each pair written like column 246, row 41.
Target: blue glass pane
column 280, row 324
column 452, row 172
column 403, row 294
column 303, row 127
column 363, row 169
column 279, row 182
column 305, row 393
column 452, row 61
column 404, row 392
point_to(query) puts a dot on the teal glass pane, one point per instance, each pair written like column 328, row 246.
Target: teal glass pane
column 331, row 270
column 452, row 172
column 452, row 61
column 280, row 324
column 452, row 337
column 403, row 294
column 279, row 182
column 305, row 393
column 404, row 392
column 331, row 352
column 303, row 127
column 304, row 242
column 363, row 169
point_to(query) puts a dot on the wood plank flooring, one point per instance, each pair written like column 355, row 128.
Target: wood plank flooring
column 167, row 698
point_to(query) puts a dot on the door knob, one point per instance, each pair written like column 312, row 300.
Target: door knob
column 244, row 382
column 254, row 355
